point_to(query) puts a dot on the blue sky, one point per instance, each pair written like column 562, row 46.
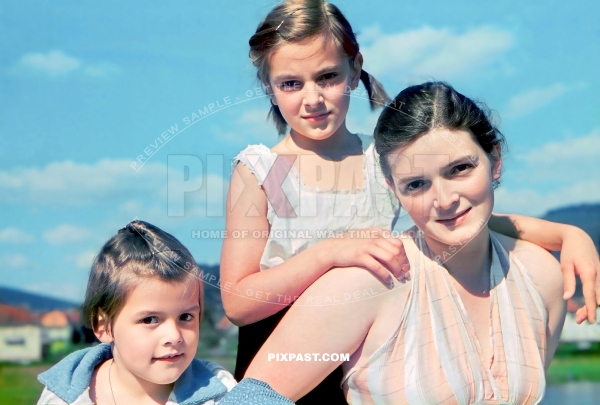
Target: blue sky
column 87, row 88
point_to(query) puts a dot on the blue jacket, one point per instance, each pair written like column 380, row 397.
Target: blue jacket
column 68, row 381
column 70, row 378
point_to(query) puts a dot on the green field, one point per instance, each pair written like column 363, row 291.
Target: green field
column 19, row 386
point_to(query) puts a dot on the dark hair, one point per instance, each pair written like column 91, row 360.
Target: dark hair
column 298, row 20
column 138, row 251
column 418, row 109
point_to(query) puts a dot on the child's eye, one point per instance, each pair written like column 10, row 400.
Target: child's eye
column 327, row 76
column 289, row 85
column 149, row 320
column 186, row 317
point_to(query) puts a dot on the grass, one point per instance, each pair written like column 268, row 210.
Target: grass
column 19, row 384
column 571, row 364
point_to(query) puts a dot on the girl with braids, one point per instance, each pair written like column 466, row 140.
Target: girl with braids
column 301, row 202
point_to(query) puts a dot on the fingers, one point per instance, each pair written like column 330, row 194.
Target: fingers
column 588, row 281
column 581, row 315
column 392, row 255
column 568, row 272
column 378, row 269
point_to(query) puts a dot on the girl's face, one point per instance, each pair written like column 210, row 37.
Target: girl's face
column 444, row 180
column 155, row 335
column 310, row 83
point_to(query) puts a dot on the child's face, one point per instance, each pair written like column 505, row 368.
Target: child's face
column 444, row 181
column 310, row 83
column 155, row 335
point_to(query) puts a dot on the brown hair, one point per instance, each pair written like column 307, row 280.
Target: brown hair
column 298, row 20
column 418, row 109
column 137, row 252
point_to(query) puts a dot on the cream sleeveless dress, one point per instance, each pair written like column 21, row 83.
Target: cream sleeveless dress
column 433, row 356
column 300, row 216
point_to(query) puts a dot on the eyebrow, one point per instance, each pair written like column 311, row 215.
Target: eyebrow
column 462, row 159
column 149, row 313
column 320, row 72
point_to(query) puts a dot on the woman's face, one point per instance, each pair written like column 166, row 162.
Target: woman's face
column 444, row 180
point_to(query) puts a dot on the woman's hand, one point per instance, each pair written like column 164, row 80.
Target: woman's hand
column 579, row 257
column 374, row 249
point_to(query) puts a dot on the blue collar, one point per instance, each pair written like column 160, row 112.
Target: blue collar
column 71, row 376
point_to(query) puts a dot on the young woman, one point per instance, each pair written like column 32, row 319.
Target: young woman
column 481, row 316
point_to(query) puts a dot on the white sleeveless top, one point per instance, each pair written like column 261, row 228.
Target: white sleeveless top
column 433, row 355
column 300, row 216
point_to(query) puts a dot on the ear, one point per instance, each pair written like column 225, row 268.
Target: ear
column 356, row 69
column 497, row 165
column 103, row 332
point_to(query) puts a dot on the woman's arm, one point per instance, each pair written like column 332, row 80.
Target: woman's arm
column 578, row 254
column 249, row 294
column 327, row 319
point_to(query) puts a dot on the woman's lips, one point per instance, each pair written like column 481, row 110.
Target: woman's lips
column 457, row 220
column 316, row 118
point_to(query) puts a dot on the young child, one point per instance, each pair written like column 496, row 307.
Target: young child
column 144, row 303
column 320, row 181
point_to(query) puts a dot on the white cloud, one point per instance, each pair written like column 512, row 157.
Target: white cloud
column 57, row 63
column 572, row 159
column 570, row 168
column 53, row 63
column 101, row 70
column 79, row 183
column 531, row 100
column 15, row 235
column 84, row 259
column 427, row 53
column 532, row 202
column 66, row 233
column 16, row 261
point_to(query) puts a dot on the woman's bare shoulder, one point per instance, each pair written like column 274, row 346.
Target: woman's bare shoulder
column 543, row 268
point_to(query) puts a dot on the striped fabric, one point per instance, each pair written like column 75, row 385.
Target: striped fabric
column 433, row 357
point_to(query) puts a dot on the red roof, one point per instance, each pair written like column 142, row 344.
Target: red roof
column 10, row 315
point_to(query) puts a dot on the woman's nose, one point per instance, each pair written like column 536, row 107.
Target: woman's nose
column 444, row 198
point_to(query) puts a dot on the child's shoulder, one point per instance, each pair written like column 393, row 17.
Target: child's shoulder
column 69, row 379
column 221, row 373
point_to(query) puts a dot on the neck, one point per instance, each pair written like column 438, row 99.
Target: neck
column 339, row 144
column 469, row 262
column 131, row 387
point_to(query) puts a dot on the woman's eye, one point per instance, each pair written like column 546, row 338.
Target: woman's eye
column 149, row 320
column 461, row 168
column 290, row 85
column 186, row 317
column 414, row 185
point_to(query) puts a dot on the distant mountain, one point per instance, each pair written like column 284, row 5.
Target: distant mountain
column 34, row 302
column 584, row 216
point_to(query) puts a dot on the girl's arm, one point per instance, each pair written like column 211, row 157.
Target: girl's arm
column 578, row 254
column 323, row 322
column 249, row 294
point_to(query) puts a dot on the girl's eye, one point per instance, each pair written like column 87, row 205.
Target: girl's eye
column 149, row 320
column 290, row 85
column 414, row 185
column 186, row 317
column 461, row 168
column 328, row 76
